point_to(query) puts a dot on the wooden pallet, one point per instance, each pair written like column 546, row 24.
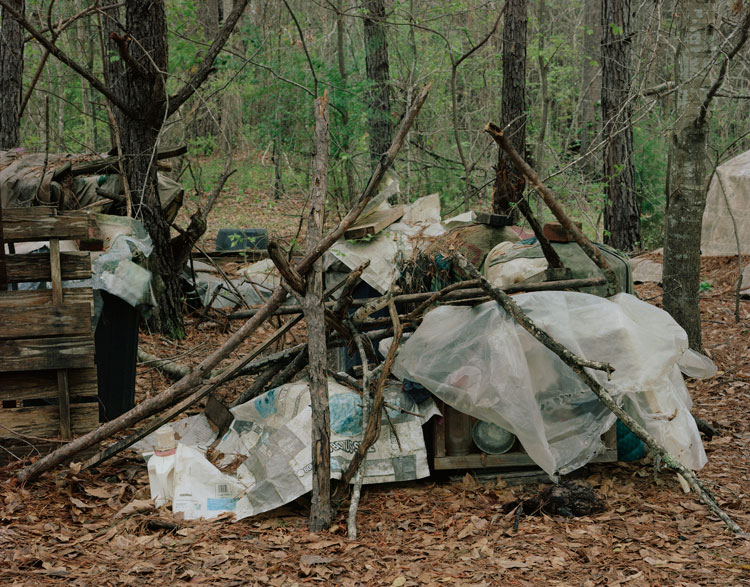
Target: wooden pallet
column 516, row 457
column 48, row 385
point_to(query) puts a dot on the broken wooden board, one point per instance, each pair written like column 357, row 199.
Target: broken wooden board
column 70, row 319
column 494, row 219
column 43, row 422
column 24, row 385
column 70, row 352
column 36, row 267
column 374, row 223
column 43, row 297
column 43, row 223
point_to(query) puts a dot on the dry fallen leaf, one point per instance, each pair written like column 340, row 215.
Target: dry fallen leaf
column 137, row 506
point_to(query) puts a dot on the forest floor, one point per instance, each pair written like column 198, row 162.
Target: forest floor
column 96, row 527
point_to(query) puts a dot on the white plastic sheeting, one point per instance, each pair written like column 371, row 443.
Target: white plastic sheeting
column 481, row 362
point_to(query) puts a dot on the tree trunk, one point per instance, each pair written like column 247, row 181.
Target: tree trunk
column 591, row 81
column 378, row 95
column 135, row 79
column 11, row 77
column 321, row 512
column 509, row 183
column 687, row 197
column 544, row 28
column 345, row 137
column 622, row 228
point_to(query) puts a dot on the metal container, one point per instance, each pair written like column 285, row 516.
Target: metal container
column 492, row 439
column 457, row 433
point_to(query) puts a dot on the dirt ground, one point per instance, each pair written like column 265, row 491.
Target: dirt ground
column 96, row 527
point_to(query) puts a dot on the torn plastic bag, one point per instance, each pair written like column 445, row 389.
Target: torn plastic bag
column 481, row 362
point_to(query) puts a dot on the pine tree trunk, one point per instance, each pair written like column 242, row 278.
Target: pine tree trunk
column 591, row 82
column 621, row 215
column 345, row 137
column 509, row 184
column 378, row 95
column 11, row 77
column 137, row 82
column 687, row 197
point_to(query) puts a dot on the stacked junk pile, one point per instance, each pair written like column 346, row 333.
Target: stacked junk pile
column 436, row 367
column 468, row 382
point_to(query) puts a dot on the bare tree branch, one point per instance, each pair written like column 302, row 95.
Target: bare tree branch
column 206, row 66
column 64, row 58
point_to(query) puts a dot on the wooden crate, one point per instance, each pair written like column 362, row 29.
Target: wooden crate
column 516, row 457
column 48, row 385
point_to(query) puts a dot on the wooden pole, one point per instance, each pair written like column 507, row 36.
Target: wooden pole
column 321, row 512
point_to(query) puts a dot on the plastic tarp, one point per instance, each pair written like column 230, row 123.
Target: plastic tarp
column 482, row 363
column 120, row 269
column 270, row 437
column 726, row 218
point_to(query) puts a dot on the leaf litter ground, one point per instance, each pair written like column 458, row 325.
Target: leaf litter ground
column 99, row 528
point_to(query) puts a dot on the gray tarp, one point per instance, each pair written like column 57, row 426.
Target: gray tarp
column 727, row 215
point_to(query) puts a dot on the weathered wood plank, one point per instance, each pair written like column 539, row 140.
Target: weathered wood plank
column 43, row 297
column 43, row 223
column 69, row 319
column 73, row 352
column 63, row 392
column 512, row 459
column 36, row 266
column 23, row 385
column 43, row 422
column 374, row 222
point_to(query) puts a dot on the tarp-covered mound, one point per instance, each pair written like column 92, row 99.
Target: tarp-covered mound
column 22, row 184
column 726, row 218
column 481, row 362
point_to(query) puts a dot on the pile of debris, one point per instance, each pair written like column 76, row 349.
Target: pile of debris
column 553, row 368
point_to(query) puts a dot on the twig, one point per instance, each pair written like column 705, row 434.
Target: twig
column 373, row 424
column 357, row 491
column 171, row 368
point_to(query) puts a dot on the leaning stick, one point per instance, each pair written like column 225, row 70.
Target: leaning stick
column 459, row 291
column 588, row 247
column 191, row 399
column 357, row 491
column 175, row 392
column 373, row 424
column 578, row 365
